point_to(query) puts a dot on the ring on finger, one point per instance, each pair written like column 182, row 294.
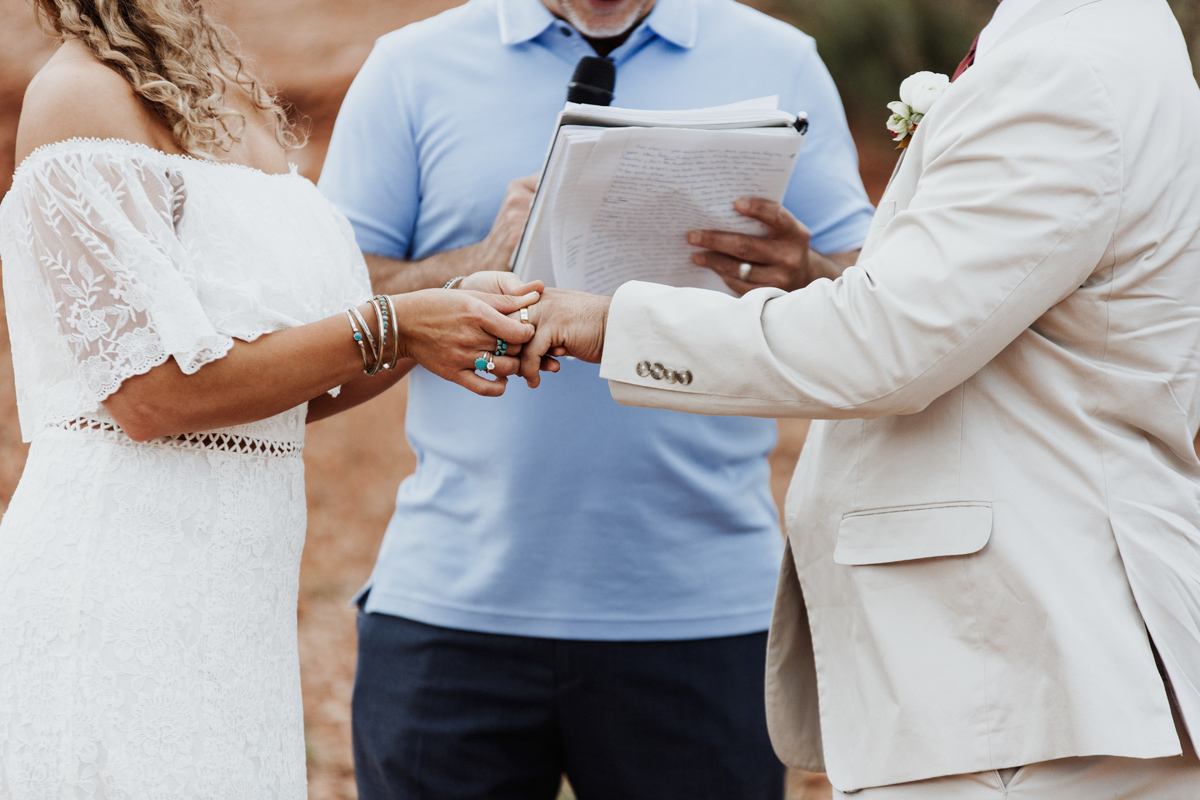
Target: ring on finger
column 525, row 316
column 744, row 270
column 501, row 347
column 485, row 363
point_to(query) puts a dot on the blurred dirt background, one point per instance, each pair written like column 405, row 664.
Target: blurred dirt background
column 311, row 49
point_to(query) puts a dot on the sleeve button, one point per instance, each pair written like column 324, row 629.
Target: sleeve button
column 684, row 377
column 657, row 371
column 643, row 369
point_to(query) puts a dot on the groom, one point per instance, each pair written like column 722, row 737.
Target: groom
column 992, row 587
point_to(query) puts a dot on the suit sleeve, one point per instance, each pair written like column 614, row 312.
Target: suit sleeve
column 1015, row 207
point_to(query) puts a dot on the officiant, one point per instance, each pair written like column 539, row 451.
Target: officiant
column 569, row 586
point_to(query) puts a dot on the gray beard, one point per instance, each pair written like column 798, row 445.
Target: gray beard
column 614, row 27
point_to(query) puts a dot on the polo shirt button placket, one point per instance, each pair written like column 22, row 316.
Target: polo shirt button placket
column 576, row 42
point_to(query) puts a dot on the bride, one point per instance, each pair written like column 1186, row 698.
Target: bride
column 180, row 302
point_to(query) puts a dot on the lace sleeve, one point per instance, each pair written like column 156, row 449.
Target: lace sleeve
column 117, row 280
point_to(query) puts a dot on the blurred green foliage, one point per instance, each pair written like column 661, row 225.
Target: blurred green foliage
column 872, row 45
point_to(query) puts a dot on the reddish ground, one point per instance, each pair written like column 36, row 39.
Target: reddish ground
column 311, row 49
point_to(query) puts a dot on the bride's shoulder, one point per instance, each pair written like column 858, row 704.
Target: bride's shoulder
column 76, row 96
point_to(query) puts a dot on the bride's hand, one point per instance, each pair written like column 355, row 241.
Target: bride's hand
column 448, row 331
column 493, row 282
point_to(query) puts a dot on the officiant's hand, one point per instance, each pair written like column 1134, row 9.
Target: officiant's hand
column 490, row 254
column 497, row 247
column 567, row 324
column 781, row 259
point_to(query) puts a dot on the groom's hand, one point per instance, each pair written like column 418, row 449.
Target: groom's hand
column 567, row 324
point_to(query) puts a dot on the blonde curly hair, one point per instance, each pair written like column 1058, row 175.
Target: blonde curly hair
column 177, row 60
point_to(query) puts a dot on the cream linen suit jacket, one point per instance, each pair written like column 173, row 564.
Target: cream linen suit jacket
column 1005, row 497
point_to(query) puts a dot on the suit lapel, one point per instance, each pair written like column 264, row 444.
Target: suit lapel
column 896, row 170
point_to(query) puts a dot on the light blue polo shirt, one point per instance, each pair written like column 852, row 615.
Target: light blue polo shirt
column 555, row 512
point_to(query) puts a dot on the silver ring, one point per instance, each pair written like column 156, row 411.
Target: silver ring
column 744, row 271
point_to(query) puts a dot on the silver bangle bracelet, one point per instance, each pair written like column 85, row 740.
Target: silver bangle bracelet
column 395, row 331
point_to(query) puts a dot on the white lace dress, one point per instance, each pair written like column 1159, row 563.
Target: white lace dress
column 148, row 591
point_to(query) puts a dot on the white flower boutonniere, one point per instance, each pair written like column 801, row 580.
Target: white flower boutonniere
column 918, row 93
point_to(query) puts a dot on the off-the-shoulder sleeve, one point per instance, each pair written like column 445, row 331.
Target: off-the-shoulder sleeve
column 118, row 282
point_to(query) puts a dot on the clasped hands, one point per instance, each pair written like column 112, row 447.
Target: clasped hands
column 481, row 323
column 554, row 322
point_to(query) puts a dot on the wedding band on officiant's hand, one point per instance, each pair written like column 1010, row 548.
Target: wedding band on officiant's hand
column 744, row 271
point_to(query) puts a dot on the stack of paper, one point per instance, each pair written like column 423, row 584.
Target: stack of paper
column 621, row 188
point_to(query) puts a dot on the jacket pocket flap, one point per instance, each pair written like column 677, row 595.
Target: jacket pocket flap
column 887, row 535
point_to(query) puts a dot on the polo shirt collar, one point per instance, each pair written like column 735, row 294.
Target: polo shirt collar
column 524, row 20
column 676, row 21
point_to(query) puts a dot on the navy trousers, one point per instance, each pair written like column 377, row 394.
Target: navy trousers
column 442, row 714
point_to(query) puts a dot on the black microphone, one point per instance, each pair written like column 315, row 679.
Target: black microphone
column 593, row 81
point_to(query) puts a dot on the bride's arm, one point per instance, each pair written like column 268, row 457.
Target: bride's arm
column 75, row 96
column 444, row 331
column 363, row 388
column 356, row 393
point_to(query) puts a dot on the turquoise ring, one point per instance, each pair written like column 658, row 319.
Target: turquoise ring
column 481, row 364
column 501, row 347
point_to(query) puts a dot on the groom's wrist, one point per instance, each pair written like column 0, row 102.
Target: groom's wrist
column 602, row 306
